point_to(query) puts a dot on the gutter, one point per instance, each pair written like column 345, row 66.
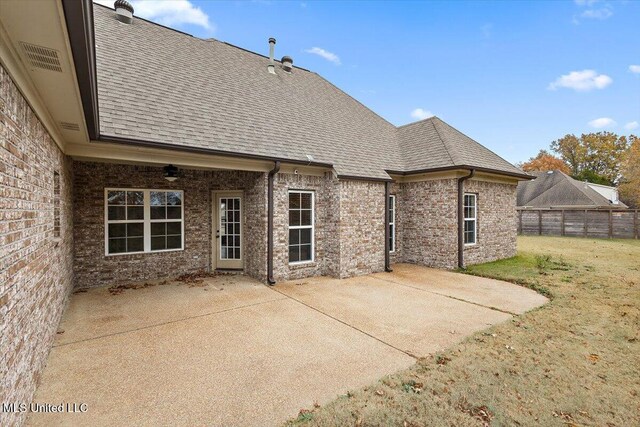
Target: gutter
column 387, row 228
column 272, row 173
column 458, row 167
column 461, row 217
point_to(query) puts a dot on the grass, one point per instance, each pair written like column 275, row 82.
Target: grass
column 572, row 362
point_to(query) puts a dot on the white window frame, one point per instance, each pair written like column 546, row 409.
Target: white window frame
column 392, row 221
column 147, row 221
column 300, row 227
column 474, row 218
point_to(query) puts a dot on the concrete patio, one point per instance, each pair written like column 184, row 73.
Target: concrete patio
column 231, row 351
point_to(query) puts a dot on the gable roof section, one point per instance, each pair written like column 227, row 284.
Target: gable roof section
column 559, row 189
column 162, row 86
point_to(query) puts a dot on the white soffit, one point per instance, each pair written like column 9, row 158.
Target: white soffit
column 37, row 35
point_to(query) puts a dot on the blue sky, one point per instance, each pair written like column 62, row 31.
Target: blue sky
column 512, row 75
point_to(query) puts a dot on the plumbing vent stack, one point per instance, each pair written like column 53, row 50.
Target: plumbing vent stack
column 124, row 11
column 272, row 45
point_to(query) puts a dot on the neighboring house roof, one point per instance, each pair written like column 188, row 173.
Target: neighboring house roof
column 557, row 189
column 160, row 85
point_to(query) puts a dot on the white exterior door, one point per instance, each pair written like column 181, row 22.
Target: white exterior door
column 228, row 252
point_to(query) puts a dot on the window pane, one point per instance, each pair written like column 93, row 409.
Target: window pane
column 135, row 244
column 158, row 198
column 135, row 229
column 158, row 212
column 174, row 228
column 306, row 200
column 174, row 198
column 117, row 230
column 294, row 217
column 294, row 237
column 294, row 200
column 306, row 218
column 236, row 253
column 294, row 253
column 305, row 252
column 116, row 198
column 174, row 212
column 236, row 241
column 158, row 243
column 305, row 235
column 236, row 204
column 117, row 213
column 174, row 242
column 117, row 246
column 158, row 228
column 135, row 212
column 135, row 198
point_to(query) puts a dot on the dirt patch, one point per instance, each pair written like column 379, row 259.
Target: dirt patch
column 192, row 280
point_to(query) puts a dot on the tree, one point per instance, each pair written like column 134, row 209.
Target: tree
column 545, row 161
column 630, row 170
column 594, row 156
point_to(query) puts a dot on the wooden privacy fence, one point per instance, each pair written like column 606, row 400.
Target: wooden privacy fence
column 614, row 223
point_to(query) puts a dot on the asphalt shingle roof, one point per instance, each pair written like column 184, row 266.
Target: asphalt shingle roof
column 160, row 85
column 555, row 188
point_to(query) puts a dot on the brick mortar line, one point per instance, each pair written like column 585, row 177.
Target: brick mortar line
column 167, row 322
column 449, row 296
column 343, row 322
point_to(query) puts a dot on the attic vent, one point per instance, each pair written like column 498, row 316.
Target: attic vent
column 69, row 126
column 42, row 57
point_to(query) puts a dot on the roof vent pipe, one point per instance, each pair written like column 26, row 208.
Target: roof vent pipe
column 272, row 46
column 287, row 63
column 124, row 11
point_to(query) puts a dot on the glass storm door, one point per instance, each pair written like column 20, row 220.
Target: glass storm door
column 228, row 248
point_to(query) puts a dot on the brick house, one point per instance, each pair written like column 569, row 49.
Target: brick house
column 130, row 151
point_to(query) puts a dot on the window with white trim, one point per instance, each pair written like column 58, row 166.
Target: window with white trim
column 301, row 226
column 392, row 223
column 139, row 221
column 470, row 208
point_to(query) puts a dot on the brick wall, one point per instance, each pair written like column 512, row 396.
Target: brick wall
column 94, row 268
column 361, row 227
column 36, row 267
column 427, row 216
column 327, row 205
column 497, row 222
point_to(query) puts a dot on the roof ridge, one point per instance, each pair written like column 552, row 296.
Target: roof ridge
column 150, row 22
column 444, row 144
column 417, row 121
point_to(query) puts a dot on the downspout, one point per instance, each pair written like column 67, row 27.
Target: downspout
column 387, row 228
column 461, row 217
column 272, row 173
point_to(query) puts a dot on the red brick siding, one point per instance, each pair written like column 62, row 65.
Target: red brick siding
column 36, row 269
column 94, row 268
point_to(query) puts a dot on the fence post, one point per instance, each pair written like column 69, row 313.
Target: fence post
column 585, row 223
column 520, row 221
column 635, row 224
column 562, row 222
column 610, row 224
column 540, row 222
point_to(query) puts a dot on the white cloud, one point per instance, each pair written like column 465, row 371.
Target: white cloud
column 602, row 13
column 421, row 114
column 582, row 81
column 632, row 125
column 635, row 69
column 168, row 12
column 591, row 11
column 329, row 56
column 602, row 122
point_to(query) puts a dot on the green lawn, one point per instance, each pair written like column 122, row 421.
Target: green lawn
column 572, row 362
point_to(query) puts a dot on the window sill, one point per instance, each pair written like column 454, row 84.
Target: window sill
column 301, row 265
column 470, row 245
column 144, row 253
